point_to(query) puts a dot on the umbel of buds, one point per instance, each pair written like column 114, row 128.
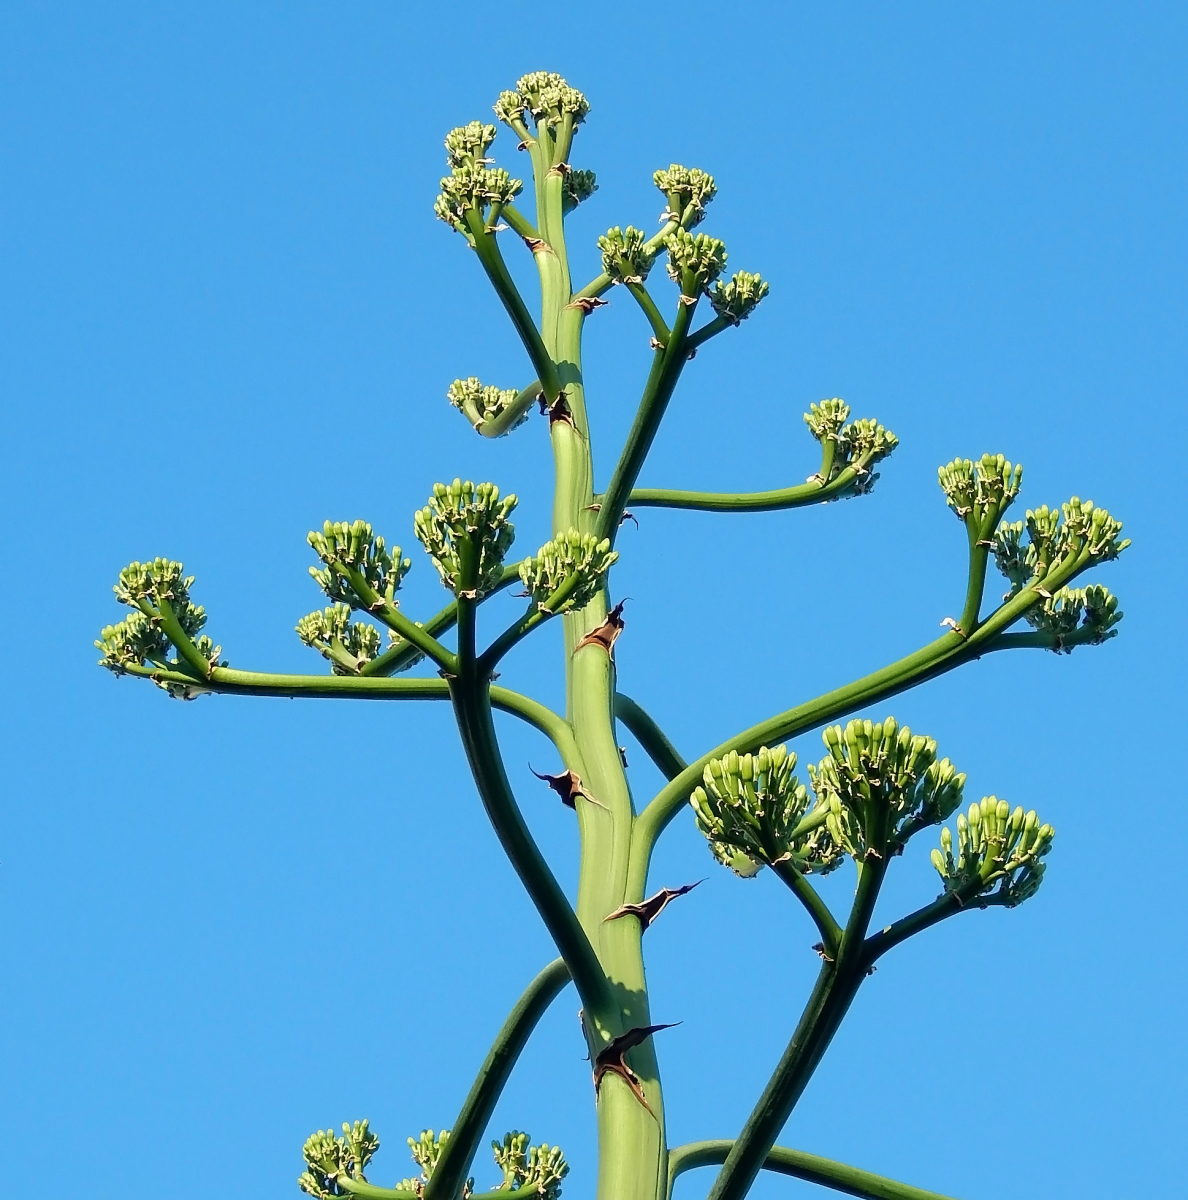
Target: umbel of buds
column 881, row 784
column 1076, row 616
column 686, row 192
column 158, row 592
column 540, row 1168
column 567, row 572
column 695, row 260
column 359, row 567
column 736, row 299
column 979, row 493
column 749, row 808
column 624, row 258
column 466, row 531
column 467, row 145
column 859, row 444
column 476, row 190
column 347, row 644
column 579, row 186
column 1079, row 535
column 998, row 854
column 481, row 403
column 330, row 1159
column 546, row 96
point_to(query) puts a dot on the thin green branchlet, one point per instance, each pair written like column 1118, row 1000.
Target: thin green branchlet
column 877, row 786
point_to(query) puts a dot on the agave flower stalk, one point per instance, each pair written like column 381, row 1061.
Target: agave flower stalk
column 878, row 785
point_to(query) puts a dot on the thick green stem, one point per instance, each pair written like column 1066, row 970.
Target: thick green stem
column 525, row 399
column 797, row 496
column 797, row 1164
column 473, row 711
column 467, row 1131
column 808, row 895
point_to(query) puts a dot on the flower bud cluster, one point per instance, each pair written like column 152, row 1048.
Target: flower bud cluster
column 540, row 1168
column 467, row 145
column 1079, row 533
column 330, row 1159
column 749, row 807
column 481, row 403
column 140, row 637
column 736, row 299
column 576, row 561
column 426, row 1150
column 881, row 784
column 474, row 188
column 353, row 545
column 860, row 444
column 982, row 490
column 547, row 96
column 347, row 644
column 579, row 185
column 1077, row 615
column 466, row 531
column 687, row 191
column 695, row 260
column 624, row 258
column 998, row 854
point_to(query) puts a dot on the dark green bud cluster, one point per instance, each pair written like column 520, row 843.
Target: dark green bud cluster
column 467, row 145
column 579, row 186
column 466, row 531
column 749, row 808
column 1076, row 616
column 474, row 189
column 347, row 644
column 736, row 299
column 141, row 638
column 980, row 492
column 695, row 260
column 998, row 854
column 353, row 546
column 330, row 1159
column 881, row 784
column 540, row 1168
column 686, row 192
column 545, row 95
column 624, row 258
column 566, row 573
column 1081, row 534
column 481, row 403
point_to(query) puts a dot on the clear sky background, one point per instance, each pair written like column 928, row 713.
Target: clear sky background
column 227, row 313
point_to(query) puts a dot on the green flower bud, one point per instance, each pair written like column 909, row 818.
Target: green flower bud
column 686, row 192
column 1089, row 531
column 329, row 1159
column 826, row 418
column 466, row 532
column 511, row 1156
column 546, row 1168
column 998, row 854
column 348, row 645
column 623, row 256
column 467, row 145
column 862, row 443
column 579, row 186
column 479, row 403
column 695, row 260
column 748, row 809
column 354, row 545
column 882, row 784
column 981, row 490
column 737, row 299
column 559, row 561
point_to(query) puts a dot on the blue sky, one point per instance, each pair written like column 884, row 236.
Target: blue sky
column 226, row 313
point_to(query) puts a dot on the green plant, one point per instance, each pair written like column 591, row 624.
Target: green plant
column 877, row 786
